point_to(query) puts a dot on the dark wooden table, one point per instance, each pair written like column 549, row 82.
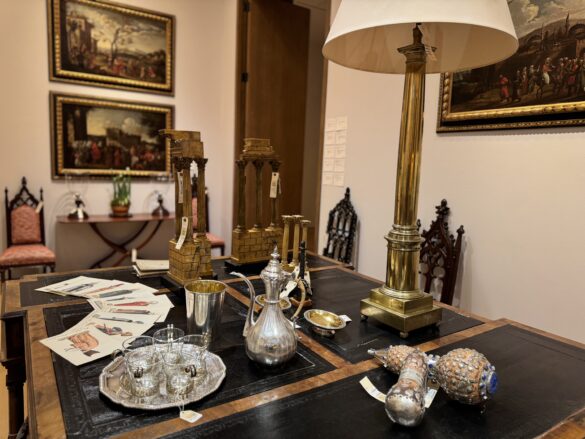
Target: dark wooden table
column 541, row 393
column 144, row 219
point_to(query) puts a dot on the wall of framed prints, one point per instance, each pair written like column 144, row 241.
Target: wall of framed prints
column 205, row 44
column 519, row 194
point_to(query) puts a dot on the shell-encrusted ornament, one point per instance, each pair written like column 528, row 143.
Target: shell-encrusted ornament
column 464, row 374
column 405, row 401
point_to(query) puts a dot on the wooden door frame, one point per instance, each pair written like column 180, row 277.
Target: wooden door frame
column 240, row 108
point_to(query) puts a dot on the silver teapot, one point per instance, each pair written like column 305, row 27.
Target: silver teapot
column 271, row 339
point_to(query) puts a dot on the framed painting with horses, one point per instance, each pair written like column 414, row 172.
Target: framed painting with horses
column 541, row 85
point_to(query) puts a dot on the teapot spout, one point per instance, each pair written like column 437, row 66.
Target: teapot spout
column 250, row 317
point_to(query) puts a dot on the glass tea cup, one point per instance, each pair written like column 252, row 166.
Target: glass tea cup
column 168, row 343
column 196, row 345
column 181, row 375
column 143, row 366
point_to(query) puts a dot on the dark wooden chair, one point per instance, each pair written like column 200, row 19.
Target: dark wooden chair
column 25, row 224
column 216, row 241
column 341, row 228
column 439, row 255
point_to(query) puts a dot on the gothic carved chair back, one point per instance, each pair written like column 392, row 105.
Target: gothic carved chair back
column 439, row 255
column 341, row 228
column 25, row 233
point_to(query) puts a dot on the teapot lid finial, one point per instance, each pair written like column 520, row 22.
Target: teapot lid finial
column 275, row 255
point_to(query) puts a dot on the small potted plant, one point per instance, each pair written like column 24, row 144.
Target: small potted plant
column 121, row 200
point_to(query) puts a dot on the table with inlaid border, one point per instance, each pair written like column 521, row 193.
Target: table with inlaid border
column 540, row 393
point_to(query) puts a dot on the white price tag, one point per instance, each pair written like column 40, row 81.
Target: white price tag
column 180, row 181
column 184, row 224
column 39, row 207
column 371, row 389
column 79, row 214
column 134, row 255
column 190, row 416
column 345, row 318
column 274, row 185
column 431, row 393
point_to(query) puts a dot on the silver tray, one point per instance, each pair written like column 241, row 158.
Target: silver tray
column 113, row 384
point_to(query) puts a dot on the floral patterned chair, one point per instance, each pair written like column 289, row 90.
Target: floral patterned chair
column 25, row 234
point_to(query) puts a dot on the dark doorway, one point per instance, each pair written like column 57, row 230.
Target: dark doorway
column 278, row 54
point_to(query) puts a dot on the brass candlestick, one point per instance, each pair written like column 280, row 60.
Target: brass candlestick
column 399, row 302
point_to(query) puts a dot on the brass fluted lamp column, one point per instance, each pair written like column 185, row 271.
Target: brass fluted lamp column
column 400, row 36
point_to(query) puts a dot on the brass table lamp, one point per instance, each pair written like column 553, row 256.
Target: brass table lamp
column 414, row 37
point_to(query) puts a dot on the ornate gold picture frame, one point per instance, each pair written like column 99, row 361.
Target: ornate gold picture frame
column 95, row 137
column 111, row 45
column 542, row 85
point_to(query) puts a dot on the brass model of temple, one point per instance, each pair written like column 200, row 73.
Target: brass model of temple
column 193, row 258
column 250, row 245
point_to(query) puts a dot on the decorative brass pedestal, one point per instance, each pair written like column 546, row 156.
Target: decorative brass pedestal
column 400, row 303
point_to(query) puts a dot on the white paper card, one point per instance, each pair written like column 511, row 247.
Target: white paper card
column 371, row 389
column 329, row 137
column 328, row 165
column 329, row 152
column 339, row 165
column 342, row 123
column 340, row 151
column 345, row 318
column 39, row 207
column 190, row 416
column 331, row 124
column 80, row 214
column 82, row 346
column 327, row 178
column 274, row 185
column 430, row 396
column 340, row 137
column 184, row 224
column 180, row 182
column 338, row 179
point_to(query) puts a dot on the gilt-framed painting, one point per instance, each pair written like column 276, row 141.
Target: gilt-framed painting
column 107, row 44
column 95, row 137
column 542, row 85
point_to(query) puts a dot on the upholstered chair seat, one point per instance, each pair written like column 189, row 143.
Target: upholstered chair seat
column 27, row 254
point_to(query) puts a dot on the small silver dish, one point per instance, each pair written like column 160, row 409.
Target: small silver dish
column 324, row 322
column 284, row 302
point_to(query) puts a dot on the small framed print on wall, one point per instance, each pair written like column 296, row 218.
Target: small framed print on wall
column 98, row 137
column 106, row 44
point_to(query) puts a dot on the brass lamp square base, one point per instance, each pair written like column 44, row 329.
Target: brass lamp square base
column 403, row 314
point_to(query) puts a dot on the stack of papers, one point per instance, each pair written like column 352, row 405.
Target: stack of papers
column 146, row 268
column 121, row 310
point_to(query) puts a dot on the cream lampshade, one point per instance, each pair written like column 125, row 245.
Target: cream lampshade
column 414, row 37
column 467, row 33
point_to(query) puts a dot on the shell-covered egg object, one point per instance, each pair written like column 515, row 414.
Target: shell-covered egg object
column 464, row 374
column 405, row 401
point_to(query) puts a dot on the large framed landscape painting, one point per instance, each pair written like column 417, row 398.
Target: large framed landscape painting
column 94, row 137
column 110, row 45
column 542, row 85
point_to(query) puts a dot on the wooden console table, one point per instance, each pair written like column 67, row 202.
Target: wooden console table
column 119, row 247
column 317, row 394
